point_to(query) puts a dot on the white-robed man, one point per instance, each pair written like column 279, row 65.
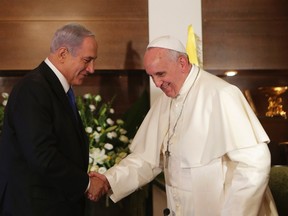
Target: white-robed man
column 215, row 155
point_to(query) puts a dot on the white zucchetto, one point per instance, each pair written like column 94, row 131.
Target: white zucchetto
column 167, row 42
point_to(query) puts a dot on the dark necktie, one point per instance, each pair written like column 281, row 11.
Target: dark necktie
column 72, row 101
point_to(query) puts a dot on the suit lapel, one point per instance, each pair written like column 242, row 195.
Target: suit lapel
column 58, row 89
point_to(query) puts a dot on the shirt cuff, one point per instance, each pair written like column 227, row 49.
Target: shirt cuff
column 88, row 186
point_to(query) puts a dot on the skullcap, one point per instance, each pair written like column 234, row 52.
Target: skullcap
column 167, row 42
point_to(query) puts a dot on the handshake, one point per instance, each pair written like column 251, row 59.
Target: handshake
column 99, row 186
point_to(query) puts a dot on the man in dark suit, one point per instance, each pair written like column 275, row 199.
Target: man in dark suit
column 44, row 150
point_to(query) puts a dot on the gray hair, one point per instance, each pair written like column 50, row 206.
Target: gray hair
column 174, row 55
column 70, row 36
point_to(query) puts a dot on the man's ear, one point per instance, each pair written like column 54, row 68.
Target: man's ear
column 183, row 61
column 62, row 53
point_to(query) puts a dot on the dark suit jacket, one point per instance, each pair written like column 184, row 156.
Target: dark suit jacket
column 43, row 150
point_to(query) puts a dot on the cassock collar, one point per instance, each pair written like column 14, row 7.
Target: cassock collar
column 189, row 81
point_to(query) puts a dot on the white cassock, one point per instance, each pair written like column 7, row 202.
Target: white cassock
column 219, row 161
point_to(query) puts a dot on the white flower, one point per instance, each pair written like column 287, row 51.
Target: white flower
column 122, row 131
column 90, row 160
column 110, row 121
column 111, row 110
column 108, row 146
column 120, row 122
column 94, row 168
column 88, row 130
column 102, row 170
column 98, row 155
column 92, row 107
column 98, row 129
column 124, row 139
column 87, row 96
column 112, row 135
column 5, row 95
column 96, row 136
column 4, row 103
column 97, row 98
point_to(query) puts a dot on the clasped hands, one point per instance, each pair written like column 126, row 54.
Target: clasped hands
column 99, row 186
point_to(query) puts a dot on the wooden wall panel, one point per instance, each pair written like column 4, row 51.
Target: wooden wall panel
column 72, row 9
column 26, row 29
column 245, row 34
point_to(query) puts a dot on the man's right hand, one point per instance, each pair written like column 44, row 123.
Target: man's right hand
column 99, row 186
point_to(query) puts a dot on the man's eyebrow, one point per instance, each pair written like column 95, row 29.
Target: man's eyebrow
column 90, row 57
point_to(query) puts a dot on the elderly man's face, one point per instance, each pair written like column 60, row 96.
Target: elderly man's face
column 79, row 66
column 167, row 73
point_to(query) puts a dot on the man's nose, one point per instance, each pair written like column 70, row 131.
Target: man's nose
column 157, row 82
column 90, row 67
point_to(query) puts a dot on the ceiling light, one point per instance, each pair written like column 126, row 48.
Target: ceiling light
column 230, row 73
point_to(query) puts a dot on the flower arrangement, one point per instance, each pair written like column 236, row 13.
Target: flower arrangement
column 108, row 142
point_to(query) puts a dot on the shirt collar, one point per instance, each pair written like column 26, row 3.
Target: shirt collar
column 59, row 75
column 189, row 79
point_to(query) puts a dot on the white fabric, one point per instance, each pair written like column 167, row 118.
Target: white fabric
column 129, row 175
column 231, row 185
column 216, row 119
column 217, row 165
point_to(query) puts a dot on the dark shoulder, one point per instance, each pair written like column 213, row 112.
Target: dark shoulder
column 33, row 83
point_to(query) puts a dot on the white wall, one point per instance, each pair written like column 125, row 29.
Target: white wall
column 172, row 17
